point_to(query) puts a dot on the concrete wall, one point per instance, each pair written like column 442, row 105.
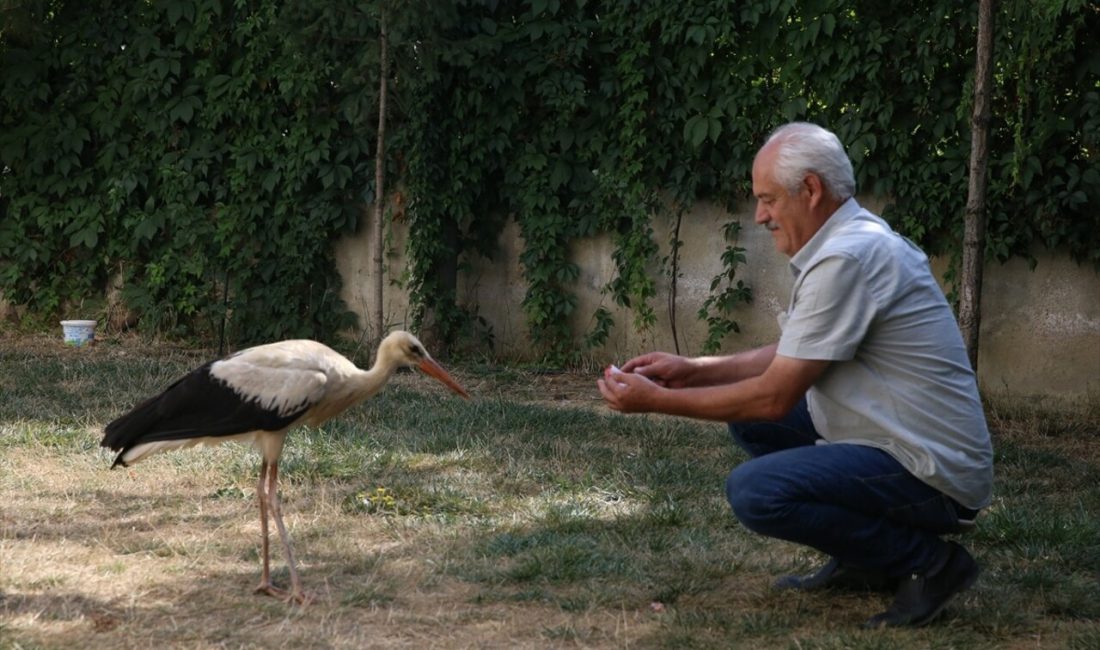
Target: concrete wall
column 1040, row 329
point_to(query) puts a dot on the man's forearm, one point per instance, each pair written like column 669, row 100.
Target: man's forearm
column 713, row 371
column 767, row 395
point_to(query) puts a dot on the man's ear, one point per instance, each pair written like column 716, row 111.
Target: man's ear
column 812, row 184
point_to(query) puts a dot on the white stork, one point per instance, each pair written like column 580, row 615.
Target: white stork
column 257, row 395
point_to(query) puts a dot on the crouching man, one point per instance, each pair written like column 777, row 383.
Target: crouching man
column 865, row 431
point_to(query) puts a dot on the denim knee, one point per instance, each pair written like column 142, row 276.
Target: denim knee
column 752, row 507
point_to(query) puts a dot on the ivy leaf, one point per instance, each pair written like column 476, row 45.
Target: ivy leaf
column 813, row 30
column 566, row 138
column 175, row 12
column 695, row 130
column 714, row 128
column 148, row 227
column 87, row 236
column 794, row 108
column 73, row 140
column 561, row 174
column 184, row 110
column 271, row 179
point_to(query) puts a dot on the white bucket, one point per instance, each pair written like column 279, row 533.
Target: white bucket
column 78, row 332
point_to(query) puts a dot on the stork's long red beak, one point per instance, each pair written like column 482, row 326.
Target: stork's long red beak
column 435, row 370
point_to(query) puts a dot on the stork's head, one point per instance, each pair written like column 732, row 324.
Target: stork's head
column 405, row 349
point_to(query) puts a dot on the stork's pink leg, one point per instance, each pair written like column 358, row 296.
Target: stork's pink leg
column 296, row 592
column 265, row 585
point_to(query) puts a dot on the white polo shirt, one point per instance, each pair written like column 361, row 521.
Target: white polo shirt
column 864, row 298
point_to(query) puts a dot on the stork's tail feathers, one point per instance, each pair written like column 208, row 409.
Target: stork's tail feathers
column 135, row 427
column 127, row 431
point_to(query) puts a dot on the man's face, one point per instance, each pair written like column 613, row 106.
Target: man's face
column 786, row 215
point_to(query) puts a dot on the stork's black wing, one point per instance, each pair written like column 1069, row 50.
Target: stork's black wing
column 197, row 405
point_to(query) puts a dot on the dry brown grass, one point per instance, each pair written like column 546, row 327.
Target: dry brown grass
column 147, row 557
column 99, row 559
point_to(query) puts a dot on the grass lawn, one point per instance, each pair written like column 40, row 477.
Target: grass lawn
column 527, row 517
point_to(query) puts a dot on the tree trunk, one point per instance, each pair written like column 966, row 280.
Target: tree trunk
column 970, row 297
column 376, row 231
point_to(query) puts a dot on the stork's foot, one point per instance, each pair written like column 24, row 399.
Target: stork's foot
column 298, row 596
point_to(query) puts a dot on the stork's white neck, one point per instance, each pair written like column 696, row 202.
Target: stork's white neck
column 386, row 362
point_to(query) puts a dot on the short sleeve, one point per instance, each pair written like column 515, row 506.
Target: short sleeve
column 831, row 311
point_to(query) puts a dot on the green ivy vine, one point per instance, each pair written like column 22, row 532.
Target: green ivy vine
column 209, row 152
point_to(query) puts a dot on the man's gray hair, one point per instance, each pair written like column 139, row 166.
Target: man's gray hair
column 804, row 148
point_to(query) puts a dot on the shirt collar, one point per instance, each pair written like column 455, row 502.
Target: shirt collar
column 845, row 213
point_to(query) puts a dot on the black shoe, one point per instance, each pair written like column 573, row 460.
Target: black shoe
column 920, row 598
column 835, row 575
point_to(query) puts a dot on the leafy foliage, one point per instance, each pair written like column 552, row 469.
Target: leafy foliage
column 207, row 148
column 730, row 293
column 185, row 145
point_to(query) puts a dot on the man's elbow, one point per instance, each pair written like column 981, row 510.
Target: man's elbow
column 784, row 385
column 776, row 406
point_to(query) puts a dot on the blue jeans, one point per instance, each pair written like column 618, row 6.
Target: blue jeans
column 853, row 502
